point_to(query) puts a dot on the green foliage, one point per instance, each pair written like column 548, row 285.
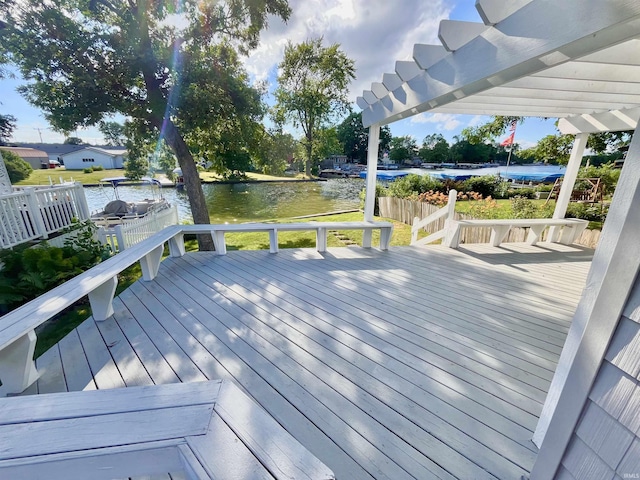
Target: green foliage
column 98, row 168
column 593, row 212
column 113, row 133
column 17, row 168
column 413, row 185
column 485, row 185
column 7, row 126
column 402, row 148
column 490, row 131
column 135, row 168
column 607, row 174
column 278, row 148
column 381, row 191
column 73, row 141
column 355, row 138
column 551, row 149
column 435, row 149
column 30, row 272
column 87, row 170
column 312, row 88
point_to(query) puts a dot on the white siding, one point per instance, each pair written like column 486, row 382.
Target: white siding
column 606, row 441
column 79, row 160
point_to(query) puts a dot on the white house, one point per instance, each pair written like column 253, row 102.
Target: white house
column 93, row 156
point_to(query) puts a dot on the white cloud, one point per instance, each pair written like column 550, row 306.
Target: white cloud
column 443, row 121
column 373, row 34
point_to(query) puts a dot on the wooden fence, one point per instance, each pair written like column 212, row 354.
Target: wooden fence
column 405, row 211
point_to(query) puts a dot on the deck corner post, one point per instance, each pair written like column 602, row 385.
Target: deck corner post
column 321, row 239
column 219, row 242
column 273, row 240
column 17, row 367
column 150, row 263
column 101, row 299
column 176, row 245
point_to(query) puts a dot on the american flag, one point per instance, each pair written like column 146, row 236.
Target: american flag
column 512, row 128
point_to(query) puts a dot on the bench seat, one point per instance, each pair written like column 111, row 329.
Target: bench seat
column 321, row 228
column 571, row 229
column 206, row 430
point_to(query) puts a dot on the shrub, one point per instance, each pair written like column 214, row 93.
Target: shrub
column 87, row 170
column 593, row 212
column 97, row 168
column 17, row 168
column 523, row 207
column 28, row 272
column 485, row 185
column 413, row 185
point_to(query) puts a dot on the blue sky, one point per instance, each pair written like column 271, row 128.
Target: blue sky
column 374, row 33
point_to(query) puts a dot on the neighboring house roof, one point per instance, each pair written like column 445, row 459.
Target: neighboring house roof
column 26, row 152
column 51, row 149
column 112, row 152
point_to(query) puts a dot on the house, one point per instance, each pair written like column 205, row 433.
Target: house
column 334, row 161
column 35, row 158
column 53, row 150
column 93, row 156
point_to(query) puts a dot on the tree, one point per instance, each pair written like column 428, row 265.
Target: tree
column 73, row 141
column 7, row 126
column 312, row 88
column 168, row 68
column 278, row 148
column 136, row 167
column 435, row 149
column 490, row 131
column 112, row 132
column 326, row 144
column 551, row 149
column 355, row 138
column 17, row 168
column 403, row 148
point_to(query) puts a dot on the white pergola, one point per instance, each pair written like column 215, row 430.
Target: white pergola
column 576, row 60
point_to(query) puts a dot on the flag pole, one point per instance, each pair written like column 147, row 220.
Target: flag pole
column 510, row 139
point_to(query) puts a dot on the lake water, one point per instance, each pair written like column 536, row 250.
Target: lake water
column 247, row 202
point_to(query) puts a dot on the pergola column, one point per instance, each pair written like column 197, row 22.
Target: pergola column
column 5, row 184
column 569, row 181
column 372, row 172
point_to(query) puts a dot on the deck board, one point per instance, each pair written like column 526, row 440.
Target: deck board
column 413, row 363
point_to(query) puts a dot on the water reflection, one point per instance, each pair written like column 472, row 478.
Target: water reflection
column 248, row 202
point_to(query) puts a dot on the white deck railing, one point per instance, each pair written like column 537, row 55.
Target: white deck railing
column 125, row 235
column 32, row 213
column 448, row 211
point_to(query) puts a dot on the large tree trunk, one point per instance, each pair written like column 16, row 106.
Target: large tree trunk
column 197, row 200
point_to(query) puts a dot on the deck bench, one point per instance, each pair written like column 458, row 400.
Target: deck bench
column 321, row 228
column 206, row 430
column 571, row 229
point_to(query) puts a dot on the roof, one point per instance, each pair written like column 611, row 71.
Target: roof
column 112, row 152
column 53, row 148
column 577, row 60
column 26, row 152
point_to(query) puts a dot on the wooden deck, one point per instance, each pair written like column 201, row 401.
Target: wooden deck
column 412, row 363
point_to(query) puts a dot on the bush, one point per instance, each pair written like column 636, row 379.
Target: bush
column 28, row 272
column 17, row 168
column 97, row 168
column 593, row 212
column 607, row 174
column 523, row 207
column 413, row 185
column 87, row 170
column 485, row 185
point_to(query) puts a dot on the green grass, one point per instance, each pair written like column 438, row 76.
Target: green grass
column 41, row 177
column 499, row 208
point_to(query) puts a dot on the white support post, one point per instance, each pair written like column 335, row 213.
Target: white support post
column 219, row 242
column 273, row 240
column 372, row 178
column 568, row 182
column 81, row 202
column 321, row 239
column 122, row 244
column 176, row 245
column 17, row 368
column 150, row 263
column 452, row 230
column 613, row 272
column 101, row 299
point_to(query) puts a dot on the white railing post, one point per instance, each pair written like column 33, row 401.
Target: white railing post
column 120, row 238
column 450, row 230
column 35, row 214
column 81, row 202
column 17, row 368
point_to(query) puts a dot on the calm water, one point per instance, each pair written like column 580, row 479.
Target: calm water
column 247, row 202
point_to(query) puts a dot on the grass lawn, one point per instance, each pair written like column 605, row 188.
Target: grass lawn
column 41, row 177
column 498, row 209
